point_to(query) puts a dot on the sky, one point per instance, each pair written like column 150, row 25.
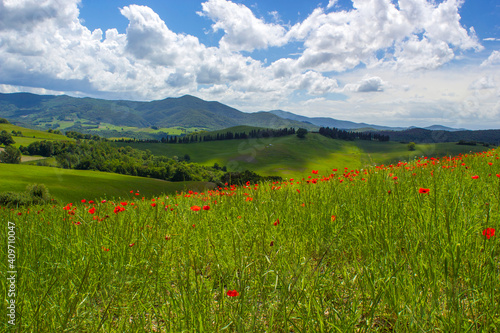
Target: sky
column 395, row 63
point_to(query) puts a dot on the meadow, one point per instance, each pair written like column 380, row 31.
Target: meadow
column 289, row 156
column 406, row 247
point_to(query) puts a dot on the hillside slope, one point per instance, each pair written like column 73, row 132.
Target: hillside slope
column 186, row 111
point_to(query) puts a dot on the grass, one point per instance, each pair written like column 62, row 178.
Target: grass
column 290, row 156
column 72, row 185
column 353, row 251
column 30, row 135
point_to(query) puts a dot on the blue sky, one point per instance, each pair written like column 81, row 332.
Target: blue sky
column 397, row 63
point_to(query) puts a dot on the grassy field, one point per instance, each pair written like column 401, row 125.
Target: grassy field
column 290, row 156
column 72, row 185
column 30, row 135
column 405, row 248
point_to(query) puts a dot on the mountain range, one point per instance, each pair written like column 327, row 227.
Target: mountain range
column 186, row 111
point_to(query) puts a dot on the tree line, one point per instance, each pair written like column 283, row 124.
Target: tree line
column 336, row 133
column 192, row 138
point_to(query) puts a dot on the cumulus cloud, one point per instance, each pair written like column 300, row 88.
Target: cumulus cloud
column 369, row 84
column 45, row 45
column 486, row 82
column 493, row 59
column 243, row 31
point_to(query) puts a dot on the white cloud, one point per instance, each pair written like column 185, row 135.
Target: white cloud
column 493, row 59
column 243, row 31
column 44, row 45
column 368, row 84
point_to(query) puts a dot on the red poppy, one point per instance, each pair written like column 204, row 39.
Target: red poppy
column 92, row 210
column 206, row 207
column 167, row 237
column 195, row 208
column 153, row 205
column 84, row 201
column 276, row 222
column 334, row 218
column 489, row 232
column 475, row 177
column 131, row 244
column 272, row 243
column 232, row 293
column 423, row 190
column 315, row 172
column 498, row 175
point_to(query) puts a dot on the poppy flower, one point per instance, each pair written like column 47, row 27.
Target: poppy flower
column 276, row 222
column 195, row 208
column 232, row 293
column 334, row 218
column 423, row 190
column 315, row 172
column 84, row 201
column 167, row 237
column 272, row 243
column 132, row 244
column 153, row 204
column 489, row 232
column 475, row 177
column 206, row 207
column 92, row 210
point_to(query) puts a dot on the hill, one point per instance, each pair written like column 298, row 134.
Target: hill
column 73, row 185
column 289, row 156
column 86, row 114
column 330, row 122
column 421, row 135
column 30, row 135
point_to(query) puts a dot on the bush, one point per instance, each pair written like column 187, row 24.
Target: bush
column 4, row 121
column 34, row 194
column 10, row 155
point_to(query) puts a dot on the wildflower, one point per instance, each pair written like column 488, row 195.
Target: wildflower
column 232, row 293
column 195, row 208
column 423, row 190
column 167, row 237
column 84, row 201
column 153, row 204
column 276, row 222
column 489, row 232
column 315, row 172
column 92, row 210
column 206, row 207
column 272, row 243
column 132, row 244
column 334, row 218
column 475, row 177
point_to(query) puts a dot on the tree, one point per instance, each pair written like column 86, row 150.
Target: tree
column 301, row 133
column 10, row 155
column 6, row 138
column 411, row 146
column 4, row 121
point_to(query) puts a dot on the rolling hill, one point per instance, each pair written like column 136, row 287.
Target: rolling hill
column 187, row 111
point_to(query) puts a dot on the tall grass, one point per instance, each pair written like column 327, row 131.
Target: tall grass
column 356, row 250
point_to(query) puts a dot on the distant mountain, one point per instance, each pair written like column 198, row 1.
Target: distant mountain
column 186, row 111
column 443, row 128
column 330, row 122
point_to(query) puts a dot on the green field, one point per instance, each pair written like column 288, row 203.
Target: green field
column 30, row 135
column 290, row 156
column 72, row 185
column 411, row 247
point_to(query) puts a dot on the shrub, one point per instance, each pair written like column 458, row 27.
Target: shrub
column 34, row 194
